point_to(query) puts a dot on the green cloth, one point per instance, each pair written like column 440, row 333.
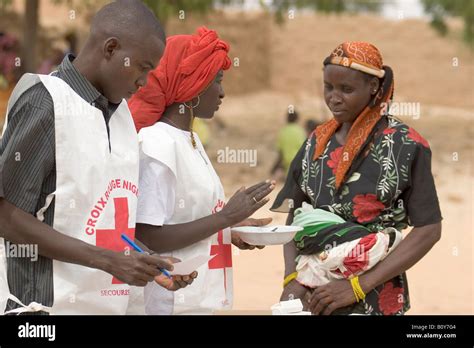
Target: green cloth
column 289, row 142
column 321, row 228
column 313, row 221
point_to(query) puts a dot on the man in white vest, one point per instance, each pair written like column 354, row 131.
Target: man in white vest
column 69, row 175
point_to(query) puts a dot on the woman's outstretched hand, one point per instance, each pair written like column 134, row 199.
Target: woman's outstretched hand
column 239, row 243
column 247, row 201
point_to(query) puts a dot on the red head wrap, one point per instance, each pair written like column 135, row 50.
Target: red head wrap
column 188, row 66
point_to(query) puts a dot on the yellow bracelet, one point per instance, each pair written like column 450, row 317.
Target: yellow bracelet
column 358, row 292
column 355, row 294
column 289, row 278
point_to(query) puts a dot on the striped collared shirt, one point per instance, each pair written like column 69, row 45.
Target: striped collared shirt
column 28, row 172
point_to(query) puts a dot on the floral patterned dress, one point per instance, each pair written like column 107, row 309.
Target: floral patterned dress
column 389, row 184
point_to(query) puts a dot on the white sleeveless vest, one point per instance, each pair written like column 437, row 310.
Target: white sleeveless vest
column 95, row 198
column 199, row 193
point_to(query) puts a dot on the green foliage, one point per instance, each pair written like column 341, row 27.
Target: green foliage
column 439, row 25
column 325, row 6
column 4, row 5
column 439, row 9
column 165, row 9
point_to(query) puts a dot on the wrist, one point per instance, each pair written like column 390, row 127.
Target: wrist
column 289, row 271
column 223, row 220
column 367, row 282
column 102, row 259
column 290, row 278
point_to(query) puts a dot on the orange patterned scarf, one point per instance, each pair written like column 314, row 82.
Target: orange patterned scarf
column 364, row 57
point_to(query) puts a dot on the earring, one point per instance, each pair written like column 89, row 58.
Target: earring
column 193, row 106
column 191, row 110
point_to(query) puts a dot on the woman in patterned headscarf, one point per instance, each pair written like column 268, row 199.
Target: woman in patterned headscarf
column 370, row 169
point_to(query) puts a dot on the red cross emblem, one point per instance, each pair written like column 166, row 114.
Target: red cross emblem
column 111, row 238
column 223, row 254
column 223, row 258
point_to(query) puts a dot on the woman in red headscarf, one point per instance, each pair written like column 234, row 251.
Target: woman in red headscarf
column 370, row 169
column 181, row 210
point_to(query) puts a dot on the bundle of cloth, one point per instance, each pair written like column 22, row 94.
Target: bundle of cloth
column 330, row 248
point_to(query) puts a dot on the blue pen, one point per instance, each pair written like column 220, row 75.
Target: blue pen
column 140, row 250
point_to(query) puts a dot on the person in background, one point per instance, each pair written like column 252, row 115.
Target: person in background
column 289, row 140
column 202, row 130
column 9, row 48
column 310, row 126
column 53, row 60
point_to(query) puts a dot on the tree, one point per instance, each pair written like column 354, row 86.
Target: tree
column 439, row 9
column 325, row 6
column 165, row 9
column 4, row 5
column 30, row 36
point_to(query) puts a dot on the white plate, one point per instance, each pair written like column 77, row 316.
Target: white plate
column 267, row 235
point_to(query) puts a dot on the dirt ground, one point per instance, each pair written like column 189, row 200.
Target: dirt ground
column 443, row 281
